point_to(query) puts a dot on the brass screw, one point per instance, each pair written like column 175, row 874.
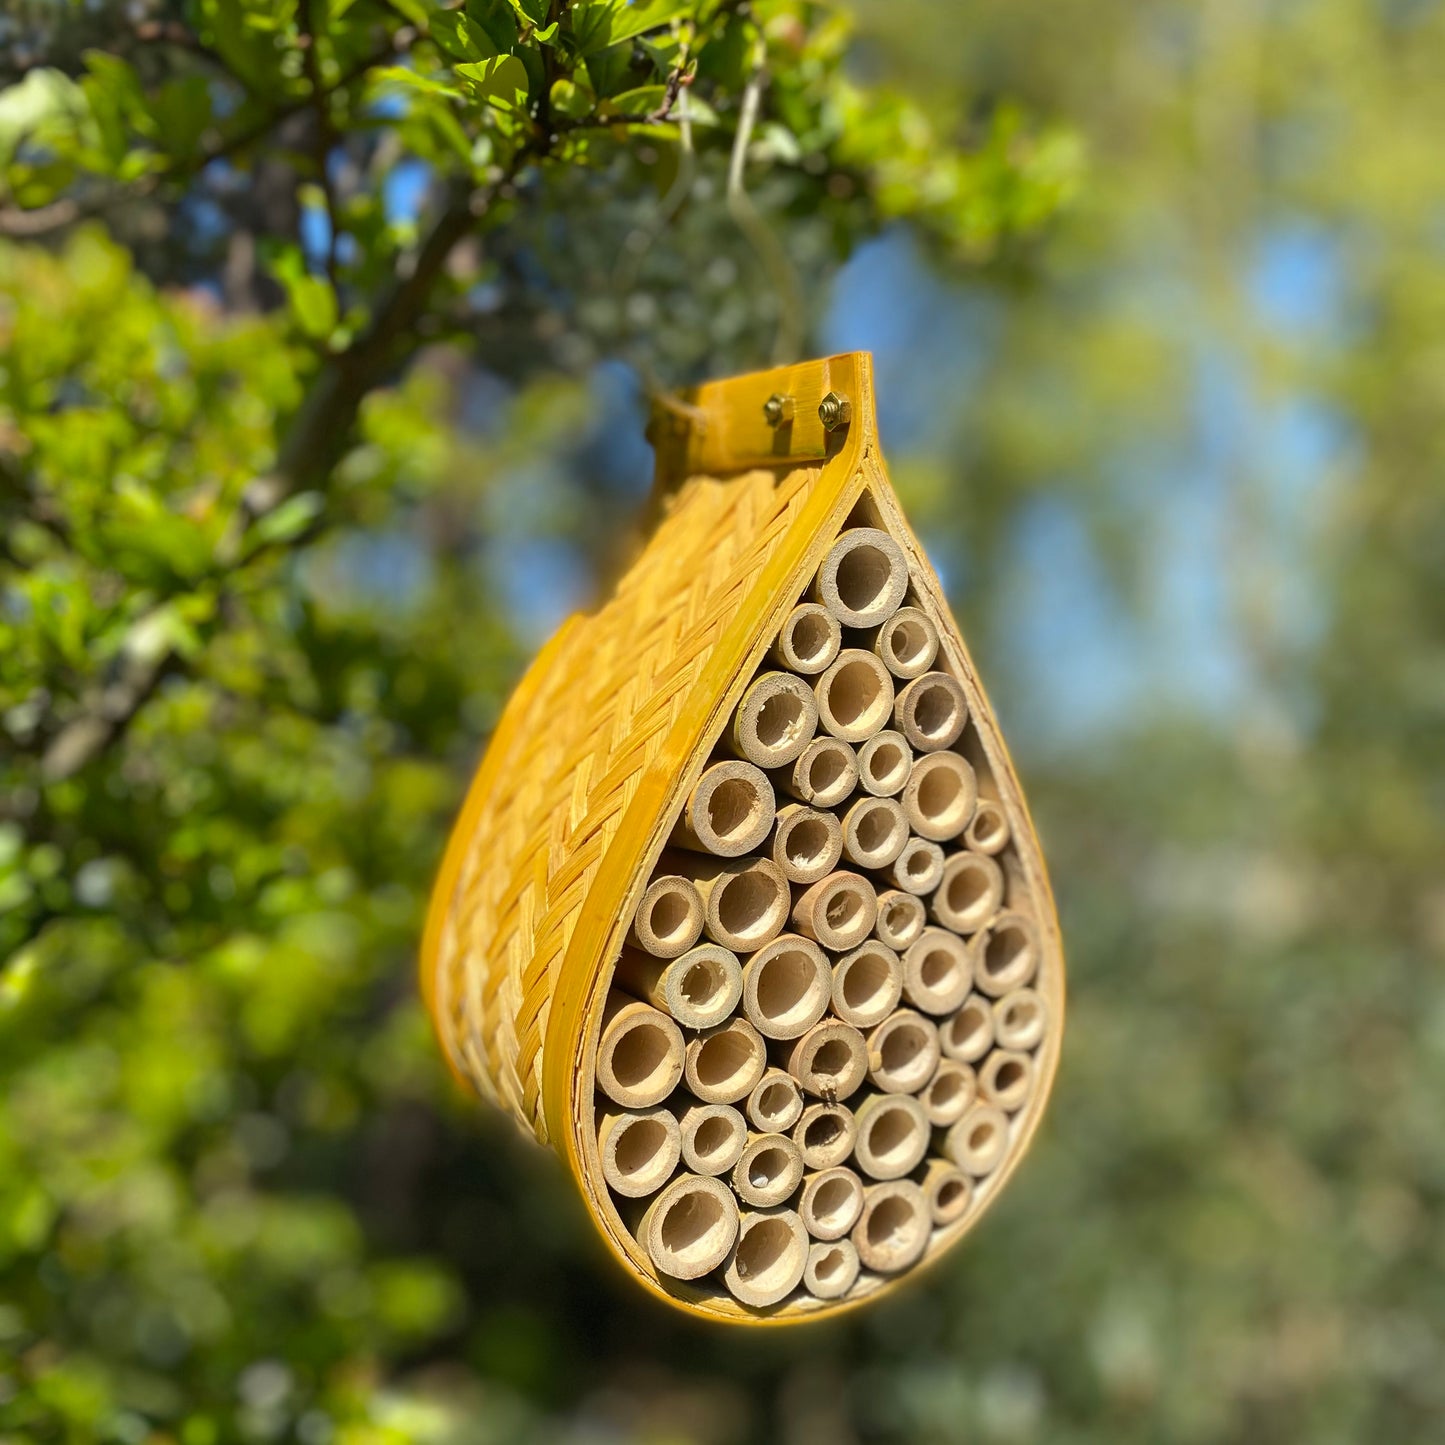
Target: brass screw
column 778, row 409
column 835, row 411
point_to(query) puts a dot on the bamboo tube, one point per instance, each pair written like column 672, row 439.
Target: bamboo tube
column 807, row 843
column 823, row 774
column 918, row 868
column 831, row 1202
column 700, row 989
column 948, row 1190
column 937, row 972
column 1006, row 1079
column 988, row 832
column 786, row 987
column 978, row 1142
column 713, row 1136
column 855, row 696
column 745, row 901
column 831, row 1270
column 874, row 832
column 863, row 578
column 838, row 911
column 906, row 644
column 901, row 918
column 723, row 1064
column 894, row 1228
column 639, row 1150
column 903, row 1052
column 775, row 720
column 968, row 1035
column 809, row 639
column 947, row 1096
column 669, row 918
column 768, row 1171
column 931, row 712
column 729, row 812
column 884, row 762
column 640, row 1056
column 867, row 984
column 1019, row 1019
column 940, row 796
column 690, row 1228
column 893, row 1135
column 1009, row 954
column 830, row 1061
column 825, row 1135
column 969, row 893
column 767, row 1261
column 776, row 1102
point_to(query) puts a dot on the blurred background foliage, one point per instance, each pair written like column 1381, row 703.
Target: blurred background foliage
column 326, row 335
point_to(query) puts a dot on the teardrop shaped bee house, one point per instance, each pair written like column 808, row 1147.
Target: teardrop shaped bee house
column 744, row 914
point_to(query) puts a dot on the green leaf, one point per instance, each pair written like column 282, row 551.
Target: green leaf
column 501, row 82
column 313, row 304
column 287, row 522
column 497, row 20
column 596, row 24
column 570, row 99
column 460, row 36
column 642, row 100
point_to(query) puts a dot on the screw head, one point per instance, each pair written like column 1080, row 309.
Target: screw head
column 778, row 409
column 835, row 411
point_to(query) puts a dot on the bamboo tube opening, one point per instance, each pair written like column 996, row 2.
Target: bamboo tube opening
column 874, row 832
column 776, row 1102
column 918, row 868
column 669, row 918
column 931, row 712
column 691, row 1227
column 903, row 1052
column 907, row 643
column 978, row 1141
column 768, row 1171
column 948, row 1190
column 901, row 918
column 831, row 1202
column 729, row 812
column 768, row 1260
column 838, row 911
column 867, row 984
column 863, row 579
column 809, row 638
column 746, row 905
column 830, row 1061
column 786, row 986
column 1010, row 954
column 712, row 1137
column 968, row 1035
column 940, row 796
column 969, row 895
column 807, row 844
column 775, row 721
column 893, row 1135
column 640, row 1056
column 825, row 772
column 855, row 696
column 1006, row 1079
column 831, row 1270
column 825, row 1135
column 937, row 972
column 946, row 1097
column 723, row 1064
column 894, row 1228
column 639, row 1151
column 989, row 830
column 699, row 989
column 884, row 762
column 1019, row 1019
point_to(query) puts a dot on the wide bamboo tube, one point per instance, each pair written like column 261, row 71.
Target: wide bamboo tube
column 969, row 893
column 786, row 987
column 940, row 796
column 949, row 1094
column 712, row 1137
column 867, row 984
column 918, row 868
column 823, row 774
column 767, row 1261
column 1009, row 955
column 1006, row 1079
column 809, row 639
column 937, row 972
column 988, row 831
column 875, row 832
column 825, row 1135
column 745, row 900
column 838, row 911
column 893, row 1135
column 768, row 1171
column 807, row 843
column 776, row 1102
column 729, row 812
column 863, row 579
column 640, row 1056
column 978, row 1142
column 855, row 696
column 903, row 1052
column 831, row 1201
column 931, row 712
column 894, row 1228
column 669, row 917
column 830, row 1061
column 723, row 1064
column 968, row 1035
column 906, row 644
column 775, row 720
column 831, row 1270
column 948, row 1190
column 1019, row 1019
column 690, row 1228
column 884, row 763
column 639, row 1149
column 901, row 918
column 699, row 989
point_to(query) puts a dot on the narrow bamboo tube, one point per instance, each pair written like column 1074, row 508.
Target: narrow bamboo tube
column 807, row 843
column 989, row 831
column 948, row 1190
column 931, row 712
column 830, row 1061
column 729, row 812
column 875, row 832
column 786, row 987
column 640, row 1056
column 723, row 1064
column 863, row 578
column 669, row 918
column 894, row 1228
column 744, row 900
column 775, row 720
column 776, row 1102
column 978, row 1142
column 769, row 1169
column 713, row 1136
column 855, row 696
column 937, row 972
column 1009, row 955
column 906, row 644
column 969, row 893
column 903, row 1052
column 838, row 911
column 831, row 1270
column 639, row 1150
column 699, row 989
column 968, row 1035
column 831, row 1202
column 867, row 984
column 901, row 918
column 767, row 1261
column 918, row 868
column 1006, row 1079
column 823, row 774
column 893, row 1135
column 884, row 762
column 825, row 1135
column 940, row 796
column 809, row 639
column 948, row 1095
column 1019, row 1019
column 690, row 1228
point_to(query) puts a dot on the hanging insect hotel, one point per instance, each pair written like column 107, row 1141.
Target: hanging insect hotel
column 744, row 914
